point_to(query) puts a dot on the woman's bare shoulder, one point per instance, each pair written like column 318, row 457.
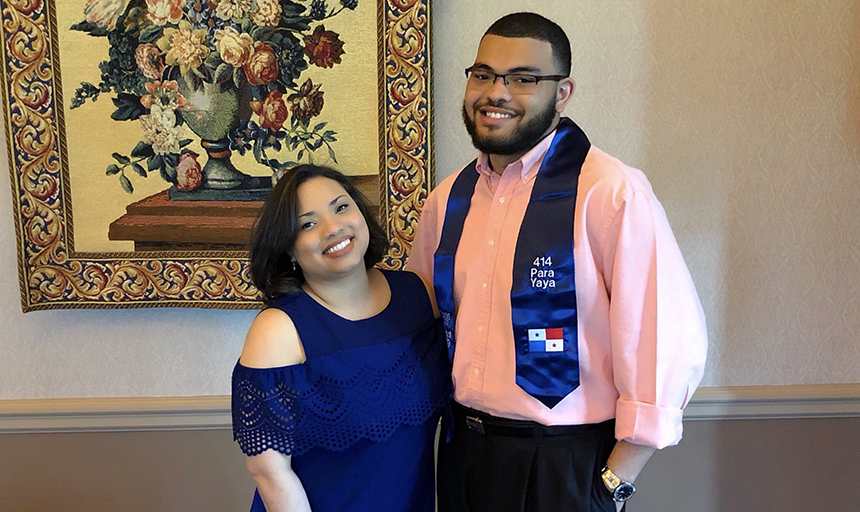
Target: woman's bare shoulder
column 272, row 341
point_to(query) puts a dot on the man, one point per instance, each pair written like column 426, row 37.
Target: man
column 576, row 333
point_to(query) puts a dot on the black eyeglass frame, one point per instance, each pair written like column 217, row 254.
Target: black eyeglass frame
column 504, row 77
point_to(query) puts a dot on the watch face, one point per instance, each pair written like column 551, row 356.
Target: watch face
column 623, row 492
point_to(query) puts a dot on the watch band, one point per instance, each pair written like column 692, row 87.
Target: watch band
column 610, row 480
column 621, row 490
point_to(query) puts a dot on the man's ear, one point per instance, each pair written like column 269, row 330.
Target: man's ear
column 564, row 92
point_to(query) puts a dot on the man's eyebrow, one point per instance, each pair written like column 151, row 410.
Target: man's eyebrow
column 518, row 69
column 481, row 65
column 524, row 69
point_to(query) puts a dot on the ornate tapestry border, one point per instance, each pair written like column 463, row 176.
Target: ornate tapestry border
column 53, row 277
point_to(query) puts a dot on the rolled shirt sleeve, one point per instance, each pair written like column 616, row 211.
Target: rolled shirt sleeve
column 658, row 337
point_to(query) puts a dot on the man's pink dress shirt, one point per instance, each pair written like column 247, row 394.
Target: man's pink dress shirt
column 642, row 335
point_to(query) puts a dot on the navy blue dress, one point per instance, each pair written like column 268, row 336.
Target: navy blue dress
column 359, row 415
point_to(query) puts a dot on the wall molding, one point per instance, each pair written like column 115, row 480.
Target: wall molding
column 115, row 414
column 213, row 412
column 775, row 402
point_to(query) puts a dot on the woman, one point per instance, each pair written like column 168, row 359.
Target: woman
column 343, row 377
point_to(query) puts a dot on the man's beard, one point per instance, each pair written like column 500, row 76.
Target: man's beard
column 523, row 138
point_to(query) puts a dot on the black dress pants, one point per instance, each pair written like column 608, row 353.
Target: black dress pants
column 501, row 465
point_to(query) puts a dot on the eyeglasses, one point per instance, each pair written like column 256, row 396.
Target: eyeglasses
column 517, row 83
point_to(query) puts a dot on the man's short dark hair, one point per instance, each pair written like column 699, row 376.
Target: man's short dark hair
column 277, row 228
column 535, row 26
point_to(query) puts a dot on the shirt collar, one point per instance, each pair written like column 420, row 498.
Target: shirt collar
column 527, row 166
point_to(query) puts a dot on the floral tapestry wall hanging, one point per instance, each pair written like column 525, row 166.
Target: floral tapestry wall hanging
column 145, row 134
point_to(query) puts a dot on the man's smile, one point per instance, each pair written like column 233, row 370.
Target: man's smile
column 495, row 116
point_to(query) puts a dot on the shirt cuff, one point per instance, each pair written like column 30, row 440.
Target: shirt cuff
column 647, row 424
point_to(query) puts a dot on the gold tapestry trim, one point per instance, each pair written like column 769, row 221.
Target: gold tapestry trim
column 53, row 276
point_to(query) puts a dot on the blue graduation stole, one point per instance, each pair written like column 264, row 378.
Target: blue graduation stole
column 543, row 294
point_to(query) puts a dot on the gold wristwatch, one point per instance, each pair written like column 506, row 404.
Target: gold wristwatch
column 621, row 490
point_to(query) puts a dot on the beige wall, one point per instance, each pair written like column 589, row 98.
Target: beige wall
column 746, row 117
column 756, row 466
column 191, row 471
column 721, row 466
column 744, row 114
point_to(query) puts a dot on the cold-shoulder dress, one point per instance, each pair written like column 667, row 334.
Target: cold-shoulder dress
column 359, row 415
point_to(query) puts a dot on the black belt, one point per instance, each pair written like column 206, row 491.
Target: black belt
column 486, row 424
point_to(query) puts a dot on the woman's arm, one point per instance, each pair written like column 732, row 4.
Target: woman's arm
column 272, row 341
column 279, row 487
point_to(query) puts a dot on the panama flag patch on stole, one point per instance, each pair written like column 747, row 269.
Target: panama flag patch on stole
column 546, row 340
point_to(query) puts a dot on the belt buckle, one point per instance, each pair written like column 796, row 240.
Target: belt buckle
column 475, row 423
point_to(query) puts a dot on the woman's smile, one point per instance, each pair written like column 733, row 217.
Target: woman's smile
column 339, row 247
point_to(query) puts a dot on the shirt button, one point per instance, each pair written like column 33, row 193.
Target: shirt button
column 480, row 328
column 484, row 286
column 492, row 242
column 476, row 371
column 502, row 200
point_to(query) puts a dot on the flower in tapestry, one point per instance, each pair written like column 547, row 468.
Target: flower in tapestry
column 250, row 87
column 210, row 65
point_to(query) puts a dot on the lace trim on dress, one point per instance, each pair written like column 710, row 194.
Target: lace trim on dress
column 336, row 400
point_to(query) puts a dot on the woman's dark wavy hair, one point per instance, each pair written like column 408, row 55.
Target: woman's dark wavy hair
column 277, row 227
